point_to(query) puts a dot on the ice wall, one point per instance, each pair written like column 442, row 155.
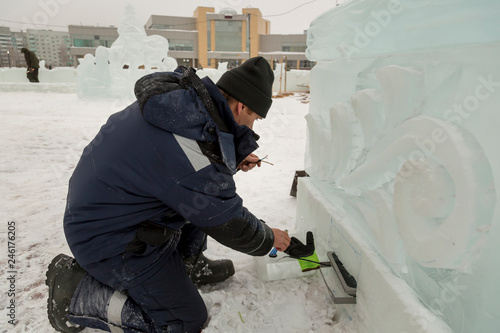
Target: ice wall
column 290, row 80
column 55, row 75
column 297, row 80
column 403, row 158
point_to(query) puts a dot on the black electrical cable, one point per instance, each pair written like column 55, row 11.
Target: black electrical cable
column 322, row 263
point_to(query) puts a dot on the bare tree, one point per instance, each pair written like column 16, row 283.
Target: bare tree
column 63, row 55
column 13, row 56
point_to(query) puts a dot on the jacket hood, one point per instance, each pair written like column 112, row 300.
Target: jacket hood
column 168, row 103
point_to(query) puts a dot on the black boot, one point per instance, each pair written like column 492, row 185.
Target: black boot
column 63, row 276
column 203, row 271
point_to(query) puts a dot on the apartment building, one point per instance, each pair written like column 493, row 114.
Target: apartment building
column 19, row 40
column 6, row 49
column 51, row 46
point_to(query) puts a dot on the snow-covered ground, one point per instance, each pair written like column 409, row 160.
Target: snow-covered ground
column 41, row 140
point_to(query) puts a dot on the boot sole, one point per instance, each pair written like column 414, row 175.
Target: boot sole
column 57, row 320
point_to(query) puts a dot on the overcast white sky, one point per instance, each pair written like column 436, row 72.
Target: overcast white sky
column 57, row 14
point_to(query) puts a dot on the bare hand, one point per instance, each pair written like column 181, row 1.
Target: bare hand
column 249, row 163
column 281, row 239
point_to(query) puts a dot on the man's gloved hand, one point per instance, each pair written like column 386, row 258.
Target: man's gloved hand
column 298, row 250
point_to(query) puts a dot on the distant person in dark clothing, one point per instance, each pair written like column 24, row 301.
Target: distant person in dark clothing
column 32, row 63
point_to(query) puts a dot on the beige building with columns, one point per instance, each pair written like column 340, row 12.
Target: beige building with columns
column 208, row 38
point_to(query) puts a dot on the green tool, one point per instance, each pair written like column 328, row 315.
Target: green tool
column 309, row 263
column 305, row 254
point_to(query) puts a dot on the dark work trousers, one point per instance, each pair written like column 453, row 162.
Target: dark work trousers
column 33, row 75
column 155, row 280
column 193, row 241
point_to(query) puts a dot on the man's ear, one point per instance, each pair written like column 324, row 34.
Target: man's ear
column 239, row 108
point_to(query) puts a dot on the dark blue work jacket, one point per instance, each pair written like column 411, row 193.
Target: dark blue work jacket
column 163, row 154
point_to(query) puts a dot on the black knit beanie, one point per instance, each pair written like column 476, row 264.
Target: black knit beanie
column 251, row 84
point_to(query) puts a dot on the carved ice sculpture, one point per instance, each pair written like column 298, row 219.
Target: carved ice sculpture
column 404, row 161
column 113, row 71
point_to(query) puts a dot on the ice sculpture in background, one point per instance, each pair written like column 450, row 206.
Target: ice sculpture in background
column 113, row 71
column 213, row 73
column 404, row 161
